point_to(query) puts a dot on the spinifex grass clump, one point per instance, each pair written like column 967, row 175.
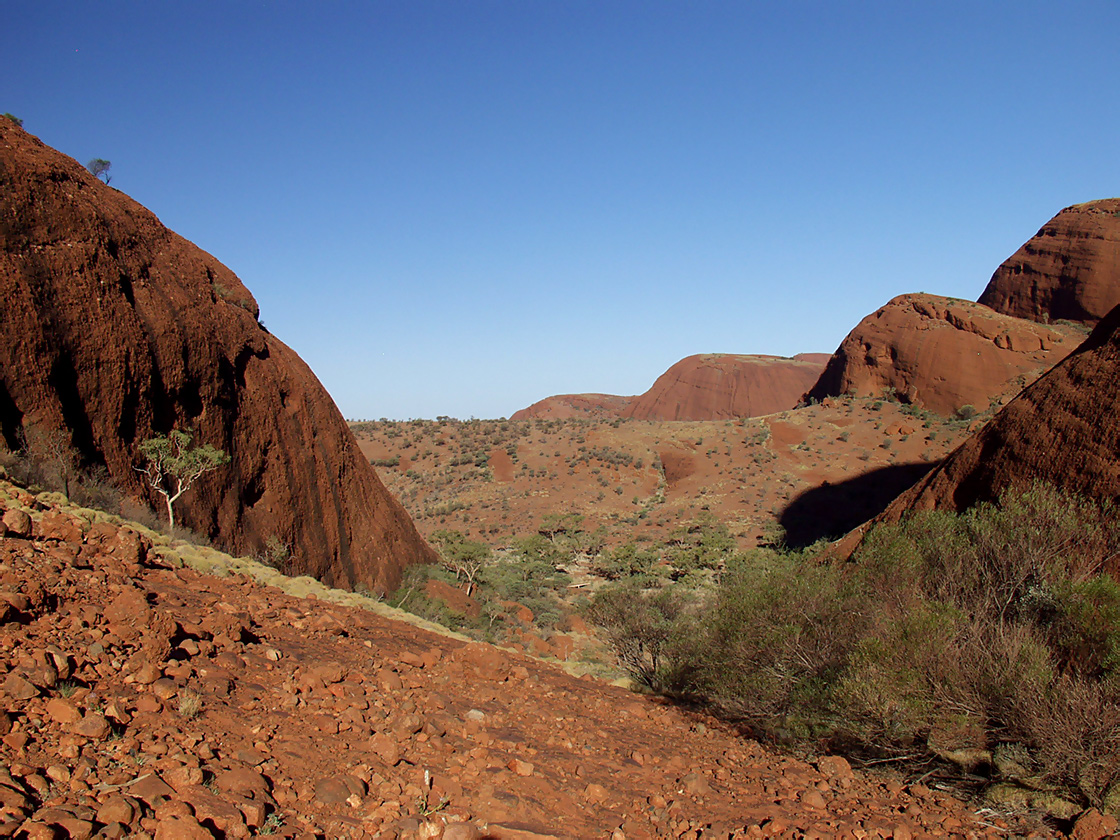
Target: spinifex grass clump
column 996, row 628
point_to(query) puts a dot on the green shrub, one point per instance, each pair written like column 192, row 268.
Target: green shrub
column 652, row 633
column 995, row 627
column 705, row 543
column 627, row 560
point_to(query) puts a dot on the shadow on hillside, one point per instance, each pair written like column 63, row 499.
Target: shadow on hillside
column 831, row 510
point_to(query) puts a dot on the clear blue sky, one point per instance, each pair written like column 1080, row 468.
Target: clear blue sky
column 461, row 207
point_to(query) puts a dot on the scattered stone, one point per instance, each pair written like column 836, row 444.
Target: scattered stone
column 461, row 831
column 181, row 828
column 813, row 799
column 834, row 767
column 386, row 748
column 595, row 793
column 18, row 688
column 1092, row 825
column 117, row 809
column 695, row 784
column 149, row 787
column 63, row 711
column 244, row 781
column 17, row 523
column 331, row 791
column 92, row 725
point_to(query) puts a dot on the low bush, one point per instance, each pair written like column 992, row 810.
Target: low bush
column 651, row 632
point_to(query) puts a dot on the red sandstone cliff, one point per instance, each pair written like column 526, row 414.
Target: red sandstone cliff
column 1062, row 429
column 720, row 386
column 1069, row 270
column 942, row 353
column 115, row 328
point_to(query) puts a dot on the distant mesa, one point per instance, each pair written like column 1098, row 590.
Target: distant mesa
column 942, row 354
column 723, row 386
column 1069, row 270
column 567, row 406
column 113, row 328
column 1061, row 430
column 713, row 386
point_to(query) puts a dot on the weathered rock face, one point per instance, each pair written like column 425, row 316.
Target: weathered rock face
column 1062, row 429
column 566, row 406
column 1069, row 270
column 722, row 386
column 942, row 353
column 115, row 328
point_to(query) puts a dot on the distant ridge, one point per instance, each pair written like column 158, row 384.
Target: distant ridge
column 713, row 386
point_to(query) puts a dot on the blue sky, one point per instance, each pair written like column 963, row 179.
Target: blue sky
column 462, row 207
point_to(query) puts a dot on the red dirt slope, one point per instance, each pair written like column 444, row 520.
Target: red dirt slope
column 1069, row 270
column 567, row 406
column 114, row 328
column 723, row 386
column 1062, row 429
column 942, row 353
column 139, row 697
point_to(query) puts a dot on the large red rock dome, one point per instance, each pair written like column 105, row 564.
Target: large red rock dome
column 113, row 328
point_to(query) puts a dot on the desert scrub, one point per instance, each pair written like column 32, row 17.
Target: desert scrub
column 997, row 628
column 651, row 632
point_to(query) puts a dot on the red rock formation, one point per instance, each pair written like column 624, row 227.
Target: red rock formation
column 942, row 353
column 115, row 328
column 722, row 386
column 1062, row 429
column 565, row 406
column 1068, row 270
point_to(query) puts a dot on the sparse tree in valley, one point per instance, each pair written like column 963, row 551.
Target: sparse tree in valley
column 172, row 465
column 464, row 557
column 53, row 449
column 99, row 168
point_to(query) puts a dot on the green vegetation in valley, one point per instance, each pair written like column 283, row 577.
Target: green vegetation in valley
column 975, row 638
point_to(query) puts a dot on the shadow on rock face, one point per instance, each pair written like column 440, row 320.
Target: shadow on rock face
column 831, row 510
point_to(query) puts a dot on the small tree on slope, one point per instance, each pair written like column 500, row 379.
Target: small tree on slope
column 173, row 465
column 99, row 168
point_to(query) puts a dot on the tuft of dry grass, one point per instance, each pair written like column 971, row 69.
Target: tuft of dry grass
column 190, row 703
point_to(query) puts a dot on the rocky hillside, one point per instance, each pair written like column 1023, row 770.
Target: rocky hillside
column 114, row 328
column 1062, row 429
column 159, row 690
column 724, row 386
column 1069, row 270
column 942, row 354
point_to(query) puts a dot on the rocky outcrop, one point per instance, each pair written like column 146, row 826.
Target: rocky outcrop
column 567, row 406
column 722, row 386
column 1062, row 429
column 1069, row 270
column 113, row 328
column 942, row 354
